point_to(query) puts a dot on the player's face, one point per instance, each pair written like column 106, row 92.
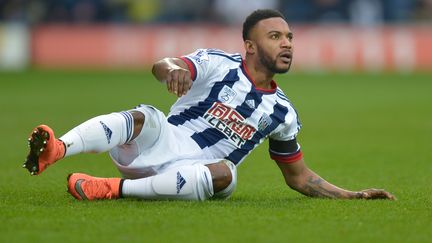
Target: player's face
column 273, row 40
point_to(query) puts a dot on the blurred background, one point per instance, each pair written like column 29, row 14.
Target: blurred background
column 340, row 35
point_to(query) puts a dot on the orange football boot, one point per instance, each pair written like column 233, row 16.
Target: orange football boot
column 45, row 149
column 85, row 187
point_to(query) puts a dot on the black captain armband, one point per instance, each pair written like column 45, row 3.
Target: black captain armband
column 285, row 151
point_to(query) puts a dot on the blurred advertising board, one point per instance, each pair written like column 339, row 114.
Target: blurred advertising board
column 338, row 48
column 14, row 46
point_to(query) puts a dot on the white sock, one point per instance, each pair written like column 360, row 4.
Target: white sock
column 99, row 134
column 190, row 182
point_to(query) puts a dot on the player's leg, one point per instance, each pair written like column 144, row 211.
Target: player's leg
column 224, row 176
column 188, row 182
column 98, row 134
column 185, row 181
column 101, row 133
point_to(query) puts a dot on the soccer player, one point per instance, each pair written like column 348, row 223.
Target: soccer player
column 227, row 106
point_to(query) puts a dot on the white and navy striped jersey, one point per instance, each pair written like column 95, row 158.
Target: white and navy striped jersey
column 228, row 115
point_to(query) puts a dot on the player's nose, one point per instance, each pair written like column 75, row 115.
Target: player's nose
column 286, row 43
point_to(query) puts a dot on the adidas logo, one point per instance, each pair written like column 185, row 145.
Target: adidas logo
column 250, row 103
column 108, row 132
column 180, row 182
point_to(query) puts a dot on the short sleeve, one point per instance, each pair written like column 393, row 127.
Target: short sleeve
column 199, row 63
column 204, row 62
column 283, row 146
column 289, row 129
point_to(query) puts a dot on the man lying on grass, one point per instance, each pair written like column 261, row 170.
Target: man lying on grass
column 227, row 106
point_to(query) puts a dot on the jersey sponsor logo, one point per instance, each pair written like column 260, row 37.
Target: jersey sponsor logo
column 200, row 56
column 180, row 182
column 264, row 122
column 227, row 94
column 108, row 132
column 230, row 123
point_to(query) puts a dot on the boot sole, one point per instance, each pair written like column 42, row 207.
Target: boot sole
column 37, row 142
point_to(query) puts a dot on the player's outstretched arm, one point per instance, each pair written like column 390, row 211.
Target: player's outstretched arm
column 175, row 73
column 300, row 178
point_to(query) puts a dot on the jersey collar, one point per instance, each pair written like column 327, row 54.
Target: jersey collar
column 249, row 77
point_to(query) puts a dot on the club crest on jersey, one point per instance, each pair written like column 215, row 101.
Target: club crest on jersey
column 264, row 122
column 226, row 95
column 200, row 56
column 231, row 123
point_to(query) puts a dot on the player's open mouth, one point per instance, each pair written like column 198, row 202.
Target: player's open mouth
column 285, row 56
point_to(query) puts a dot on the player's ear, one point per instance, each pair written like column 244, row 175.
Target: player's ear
column 249, row 46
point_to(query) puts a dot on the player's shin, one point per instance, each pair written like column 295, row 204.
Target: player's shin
column 99, row 134
column 190, row 182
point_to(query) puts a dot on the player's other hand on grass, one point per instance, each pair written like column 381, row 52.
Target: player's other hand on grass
column 178, row 81
column 375, row 194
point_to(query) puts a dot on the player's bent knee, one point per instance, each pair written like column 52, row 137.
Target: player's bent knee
column 147, row 128
column 138, row 120
column 224, row 175
column 221, row 175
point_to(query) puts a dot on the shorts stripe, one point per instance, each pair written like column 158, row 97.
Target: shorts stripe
column 129, row 124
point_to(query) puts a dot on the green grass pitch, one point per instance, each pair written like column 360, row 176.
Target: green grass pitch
column 359, row 131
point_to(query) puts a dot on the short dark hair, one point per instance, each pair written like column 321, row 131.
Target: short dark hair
column 257, row 16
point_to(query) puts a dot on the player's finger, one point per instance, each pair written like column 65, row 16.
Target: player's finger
column 168, row 86
column 180, row 84
column 174, row 88
column 186, row 83
column 169, row 82
column 179, row 88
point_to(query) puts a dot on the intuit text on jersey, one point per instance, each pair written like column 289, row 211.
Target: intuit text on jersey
column 230, row 123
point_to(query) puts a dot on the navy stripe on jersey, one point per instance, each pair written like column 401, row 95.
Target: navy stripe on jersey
column 222, row 52
column 281, row 95
column 277, row 117
column 215, row 50
column 244, row 109
column 196, row 111
column 236, row 56
column 208, row 137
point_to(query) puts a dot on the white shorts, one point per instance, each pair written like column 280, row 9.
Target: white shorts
column 159, row 146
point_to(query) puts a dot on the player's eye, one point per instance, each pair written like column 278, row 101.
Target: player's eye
column 290, row 37
column 274, row 36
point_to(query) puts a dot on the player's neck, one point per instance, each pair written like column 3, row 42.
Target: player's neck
column 261, row 77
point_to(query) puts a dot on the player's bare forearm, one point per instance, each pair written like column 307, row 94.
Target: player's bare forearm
column 313, row 185
column 300, row 178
